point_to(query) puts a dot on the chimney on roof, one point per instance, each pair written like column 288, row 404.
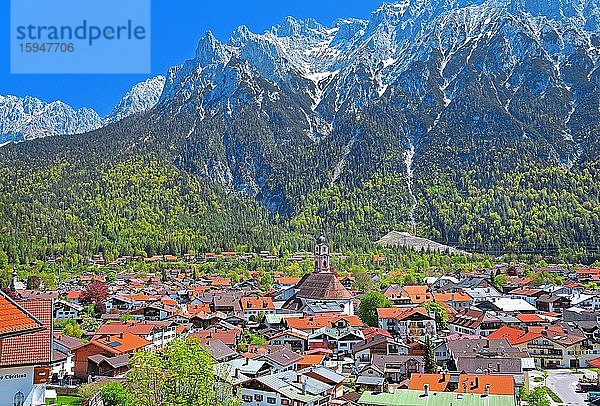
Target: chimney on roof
column 497, row 367
column 486, row 391
column 121, row 335
column 426, row 390
column 476, row 382
column 465, row 386
column 247, row 361
column 236, row 373
column 444, row 376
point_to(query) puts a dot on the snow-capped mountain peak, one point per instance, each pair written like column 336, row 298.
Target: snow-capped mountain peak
column 142, row 97
column 27, row 118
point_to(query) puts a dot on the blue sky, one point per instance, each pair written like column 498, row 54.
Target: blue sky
column 177, row 25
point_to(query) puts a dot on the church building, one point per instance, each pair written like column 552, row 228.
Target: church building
column 320, row 292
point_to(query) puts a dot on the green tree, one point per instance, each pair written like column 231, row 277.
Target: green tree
column 3, row 260
column 369, row 303
column 125, row 317
column 116, row 394
column 499, row 281
column 180, row 374
column 535, row 397
column 429, row 357
column 72, row 329
column 440, row 312
column 90, row 324
column 266, row 281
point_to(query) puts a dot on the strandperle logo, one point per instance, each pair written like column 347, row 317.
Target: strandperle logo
column 74, row 36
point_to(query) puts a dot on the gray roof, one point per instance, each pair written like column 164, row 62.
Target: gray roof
column 492, row 365
column 219, row 350
column 245, row 366
column 370, row 380
column 326, row 373
column 283, row 356
column 116, row 362
column 290, row 390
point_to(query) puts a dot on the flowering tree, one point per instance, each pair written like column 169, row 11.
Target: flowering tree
column 95, row 293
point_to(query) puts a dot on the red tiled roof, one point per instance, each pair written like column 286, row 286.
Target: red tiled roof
column 524, row 291
column 591, row 271
column 14, row 319
column 317, row 322
column 370, row 332
column 30, row 348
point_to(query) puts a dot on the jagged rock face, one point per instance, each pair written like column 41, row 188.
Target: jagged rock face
column 443, row 77
column 142, row 97
column 27, row 118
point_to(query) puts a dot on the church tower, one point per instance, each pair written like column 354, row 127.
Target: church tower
column 322, row 255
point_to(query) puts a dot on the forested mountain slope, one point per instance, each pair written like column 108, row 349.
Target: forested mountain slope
column 473, row 123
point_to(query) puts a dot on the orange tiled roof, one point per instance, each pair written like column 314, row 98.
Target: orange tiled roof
column 257, row 303
column 74, row 294
column 122, row 344
column 168, row 301
column 400, row 313
column 139, row 298
column 289, row 280
column 418, row 294
column 452, row 297
column 199, row 308
column 218, row 281
column 14, row 319
column 529, row 318
column 310, row 360
column 525, row 281
column 514, row 336
column 31, row 347
column 498, row 384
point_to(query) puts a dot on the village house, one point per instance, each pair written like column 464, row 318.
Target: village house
column 413, row 322
column 108, row 346
column 159, row 333
column 26, row 350
column 257, row 307
column 550, row 346
column 64, row 310
column 474, row 322
column 377, row 345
